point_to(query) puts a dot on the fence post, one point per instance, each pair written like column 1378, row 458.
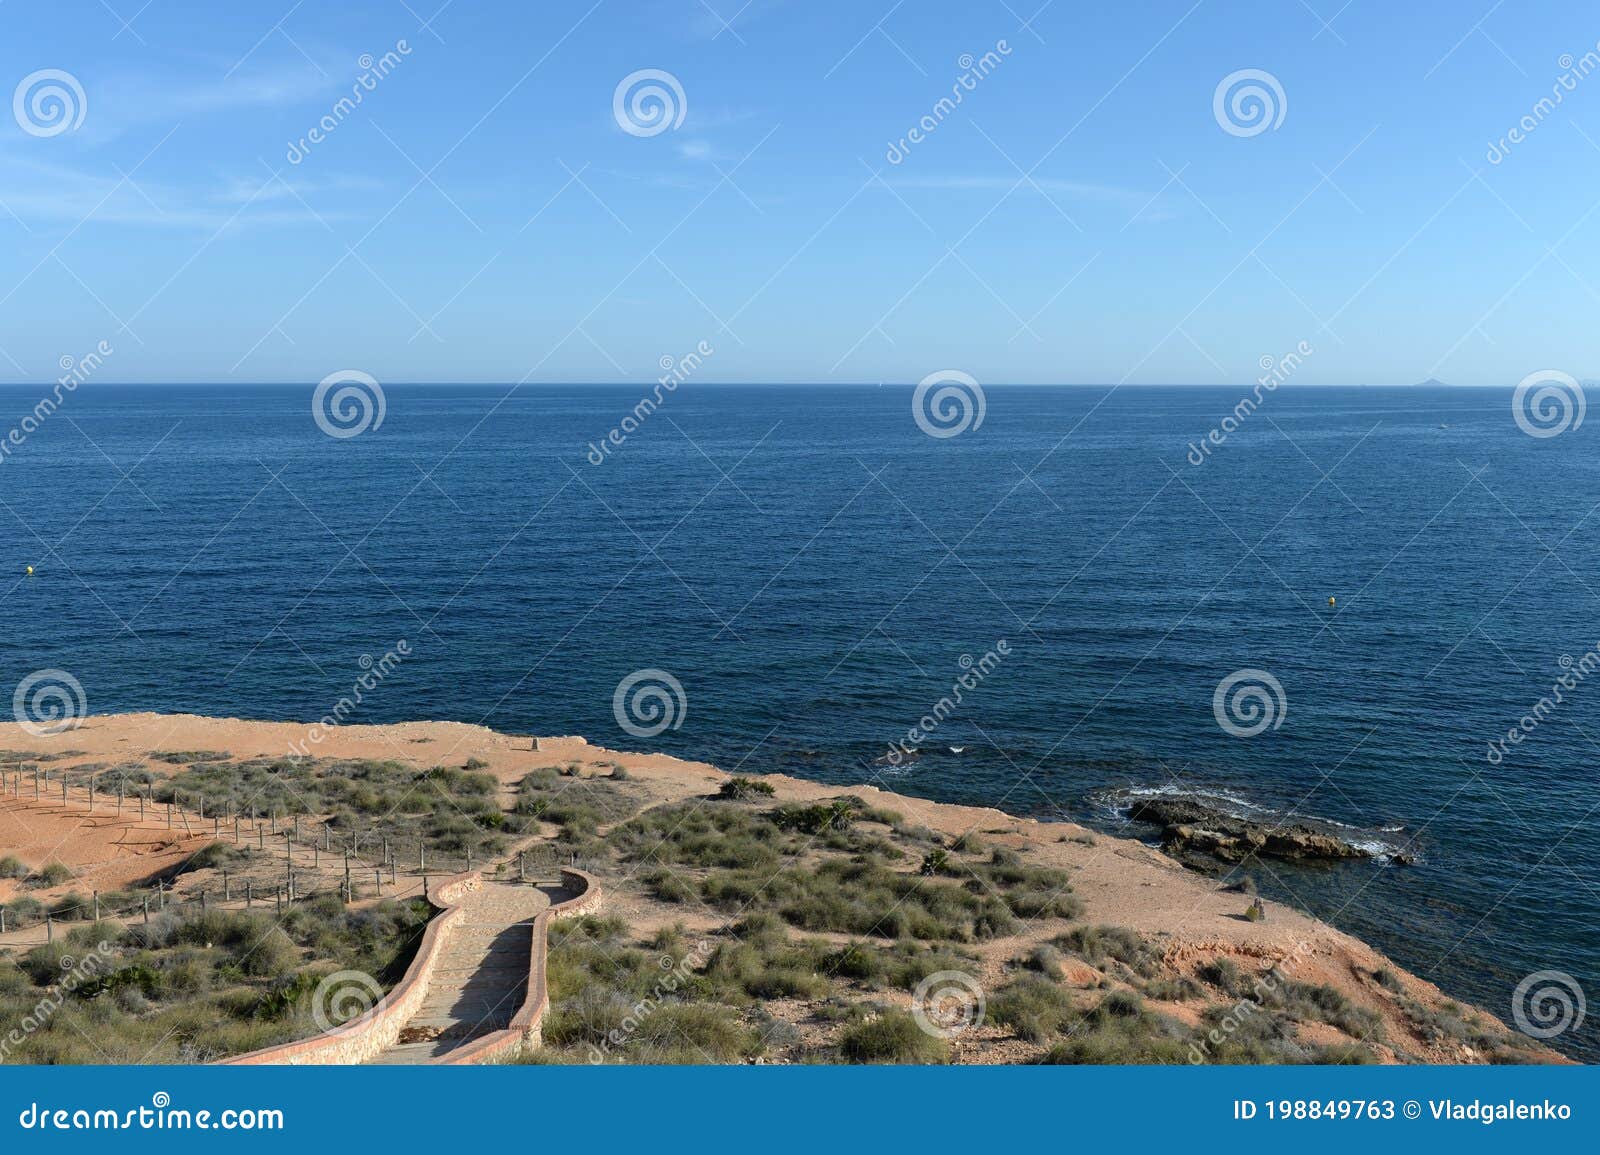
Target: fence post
column 96, row 894
column 49, row 929
column 121, row 786
column 249, row 893
column 227, row 894
column 161, row 895
column 145, row 904
column 277, row 897
column 377, row 879
column 141, row 807
column 522, row 866
column 169, row 816
column 91, row 794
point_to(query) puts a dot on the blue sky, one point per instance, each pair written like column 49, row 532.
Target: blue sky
column 1080, row 216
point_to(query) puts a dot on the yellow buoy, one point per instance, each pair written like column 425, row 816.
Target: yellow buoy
column 1330, row 601
column 30, row 569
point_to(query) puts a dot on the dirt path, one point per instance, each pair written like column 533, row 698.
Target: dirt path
column 482, row 975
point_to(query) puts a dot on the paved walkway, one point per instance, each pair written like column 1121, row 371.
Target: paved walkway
column 481, row 977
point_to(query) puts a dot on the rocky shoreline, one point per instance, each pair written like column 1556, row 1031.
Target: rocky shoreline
column 1203, row 836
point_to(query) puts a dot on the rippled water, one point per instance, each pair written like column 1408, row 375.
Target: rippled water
column 813, row 569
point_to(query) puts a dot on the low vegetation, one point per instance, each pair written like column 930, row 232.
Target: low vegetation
column 193, row 989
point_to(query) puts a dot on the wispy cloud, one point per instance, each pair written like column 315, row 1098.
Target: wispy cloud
column 48, row 193
column 1073, row 189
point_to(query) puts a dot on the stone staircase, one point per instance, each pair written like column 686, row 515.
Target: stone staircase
column 481, row 977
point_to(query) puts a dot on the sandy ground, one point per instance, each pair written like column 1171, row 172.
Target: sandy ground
column 1120, row 882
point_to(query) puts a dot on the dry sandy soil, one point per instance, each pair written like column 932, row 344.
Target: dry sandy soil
column 1190, row 918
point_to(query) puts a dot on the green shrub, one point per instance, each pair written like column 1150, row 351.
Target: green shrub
column 49, row 875
column 741, row 789
column 13, row 867
column 1034, row 1007
column 892, row 1037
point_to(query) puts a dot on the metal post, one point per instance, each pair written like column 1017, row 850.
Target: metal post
column 144, row 903
column 249, row 893
column 49, row 929
column 227, row 893
column 169, row 816
column 91, row 794
column 96, row 905
column 161, row 895
column 377, row 880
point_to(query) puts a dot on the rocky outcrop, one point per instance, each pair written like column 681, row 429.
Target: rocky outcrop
column 1192, row 829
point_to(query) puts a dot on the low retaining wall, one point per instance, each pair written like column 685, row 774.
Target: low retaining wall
column 526, row 1029
column 362, row 1038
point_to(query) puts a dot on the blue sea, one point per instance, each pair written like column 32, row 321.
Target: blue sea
column 816, row 572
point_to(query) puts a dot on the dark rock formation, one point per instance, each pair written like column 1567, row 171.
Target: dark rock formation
column 1190, row 828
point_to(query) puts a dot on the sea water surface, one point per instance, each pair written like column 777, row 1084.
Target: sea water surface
column 817, row 573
